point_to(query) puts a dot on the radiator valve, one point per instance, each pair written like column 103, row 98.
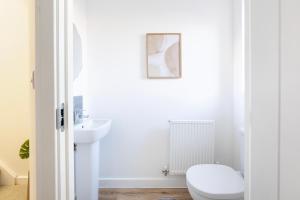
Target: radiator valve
column 165, row 171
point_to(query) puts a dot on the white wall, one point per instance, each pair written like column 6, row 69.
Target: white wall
column 239, row 85
column 16, row 61
column 137, row 147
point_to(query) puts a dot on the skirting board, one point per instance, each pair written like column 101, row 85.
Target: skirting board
column 170, row 182
column 7, row 176
column 21, row 180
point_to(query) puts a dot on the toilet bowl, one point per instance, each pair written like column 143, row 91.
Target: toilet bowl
column 212, row 182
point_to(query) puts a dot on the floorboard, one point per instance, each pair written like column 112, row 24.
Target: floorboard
column 18, row 192
column 144, row 194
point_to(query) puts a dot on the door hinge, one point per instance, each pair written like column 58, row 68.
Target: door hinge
column 33, row 79
column 60, row 117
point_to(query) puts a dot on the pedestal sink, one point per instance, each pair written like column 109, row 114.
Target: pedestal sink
column 87, row 137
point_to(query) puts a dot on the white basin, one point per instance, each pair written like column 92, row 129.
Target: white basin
column 91, row 131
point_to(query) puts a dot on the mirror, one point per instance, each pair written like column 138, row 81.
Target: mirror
column 77, row 53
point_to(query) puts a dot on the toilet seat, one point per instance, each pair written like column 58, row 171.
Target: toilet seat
column 215, row 181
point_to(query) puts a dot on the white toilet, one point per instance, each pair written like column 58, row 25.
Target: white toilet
column 217, row 182
column 212, row 182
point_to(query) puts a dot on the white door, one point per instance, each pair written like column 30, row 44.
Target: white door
column 274, row 161
column 54, row 118
column 263, row 72
column 290, row 101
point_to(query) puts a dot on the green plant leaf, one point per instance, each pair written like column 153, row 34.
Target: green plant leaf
column 24, row 150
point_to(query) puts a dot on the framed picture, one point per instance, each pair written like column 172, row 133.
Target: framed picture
column 163, row 55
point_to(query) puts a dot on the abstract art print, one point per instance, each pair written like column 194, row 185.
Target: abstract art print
column 164, row 55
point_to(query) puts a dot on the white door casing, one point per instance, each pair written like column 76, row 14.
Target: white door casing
column 274, row 103
column 54, row 147
column 262, row 60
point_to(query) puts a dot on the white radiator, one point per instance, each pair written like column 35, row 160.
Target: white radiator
column 191, row 142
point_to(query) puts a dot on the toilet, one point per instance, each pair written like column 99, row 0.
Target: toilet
column 217, row 182
column 212, row 182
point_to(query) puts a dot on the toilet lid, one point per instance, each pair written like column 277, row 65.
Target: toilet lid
column 216, row 181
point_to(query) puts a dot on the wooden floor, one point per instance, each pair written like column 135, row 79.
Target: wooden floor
column 18, row 192
column 144, row 194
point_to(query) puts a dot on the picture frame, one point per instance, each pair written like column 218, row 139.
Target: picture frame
column 164, row 55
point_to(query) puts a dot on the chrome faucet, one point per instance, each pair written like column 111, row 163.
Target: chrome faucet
column 79, row 116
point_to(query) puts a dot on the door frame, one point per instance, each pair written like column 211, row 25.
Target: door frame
column 247, row 108
column 46, row 89
column 45, row 172
column 45, row 86
column 262, row 72
column 70, row 168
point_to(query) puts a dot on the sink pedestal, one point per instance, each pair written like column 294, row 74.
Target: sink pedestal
column 87, row 171
column 87, row 137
